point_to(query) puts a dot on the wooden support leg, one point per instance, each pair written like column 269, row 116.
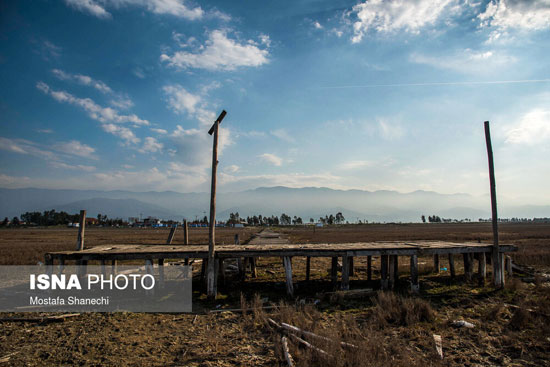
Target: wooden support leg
column 452, row 266
column 509, row 266
column 287, row 262
column 351, row 271
column 334, row 270
column 482, row 268
column 396, row 268
column 61, row 265
column 384, row 271
column 502, row 267
column 497, row 269
column 392, row 271
column 345, row 273
column 114, row 267
column 369, row 267
column 308, row 267
column 467, row 266
column 437, row 265
column 221, row 267
column 204, row 266
column 103, row 269
column 414, row 274
column 186, row 261
column 161, row 272
column 216, row 275
column 253, row 267
column 149, row 271
column 245, row 267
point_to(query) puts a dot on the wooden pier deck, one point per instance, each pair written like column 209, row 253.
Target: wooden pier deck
column 271, row 244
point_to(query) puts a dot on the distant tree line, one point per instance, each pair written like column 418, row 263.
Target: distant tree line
column 54, row 218
column 283, row 220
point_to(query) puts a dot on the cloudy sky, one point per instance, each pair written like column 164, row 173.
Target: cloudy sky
column 120, row 94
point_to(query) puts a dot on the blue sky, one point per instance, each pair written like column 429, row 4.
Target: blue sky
column 120, row 94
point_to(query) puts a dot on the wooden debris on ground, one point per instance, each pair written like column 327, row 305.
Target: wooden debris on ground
column 39, row 319
column 438, row 345
column 349, row 294
column 286, row 353
column 462, row 323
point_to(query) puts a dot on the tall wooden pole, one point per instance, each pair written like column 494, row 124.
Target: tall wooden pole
column 81, row 228
column 211, row 274
column 497, row 268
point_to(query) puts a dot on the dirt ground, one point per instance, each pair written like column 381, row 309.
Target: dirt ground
column 390, row 329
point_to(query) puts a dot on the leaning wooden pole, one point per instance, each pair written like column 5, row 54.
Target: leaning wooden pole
column 497, row 268
column 211, row 274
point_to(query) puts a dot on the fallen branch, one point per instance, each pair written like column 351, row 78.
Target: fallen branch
column 286, row 353
column 308, row 345
column 7, row 357
column 438, row 345
column 315, row 336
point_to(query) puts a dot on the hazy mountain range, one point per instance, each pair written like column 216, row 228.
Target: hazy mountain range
column 309, row 202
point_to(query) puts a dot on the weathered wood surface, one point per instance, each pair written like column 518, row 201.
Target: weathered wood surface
column 419, row 248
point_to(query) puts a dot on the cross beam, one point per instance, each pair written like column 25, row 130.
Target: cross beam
column 211, row 274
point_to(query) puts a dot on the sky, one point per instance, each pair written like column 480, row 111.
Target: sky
column 373, row 95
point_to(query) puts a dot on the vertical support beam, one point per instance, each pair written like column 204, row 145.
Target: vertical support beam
column 185, row 232
column 498, row 277
column 287, row 263
column 253, row 267
column 334, row 270
column 345, row 273
column 211, row 274
column 482, row 267
column 509, row 266
column 81, row 228
column 452, row 266
column 392, row 271
column 240, row 265
column 468, row 266
column 61, row 265
column 113, row 267
column 369, row 267
column 103, row 269
column 161, row 272
column 414, row 274
column 384, row 271
column 396, row 268
column 171, row 235
column 351, row 271
column 437, row 265
column 149, row 270
column 221, row 269
column 308, row 267
column 502, row 267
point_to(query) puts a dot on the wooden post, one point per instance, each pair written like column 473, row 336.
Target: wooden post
column 351, row 271
column 497, row 268
column 287, row 263
column 345, row 273
column 384, row 271
column 452, row 266
column 149, row 270
column 253, row 267
column 437, row 265
column 240, row 265
column 396, row 268
column 414, row 274
column 369, row 267
column 185, row 232
column 308, row 267
column 509, row 266
column 161, row 272
column 103, row 268
column 171, row 235
column 334, row 270
column 392, row 271
column 113, row 267
column 211, row 274
column 482, row 268
column 467, row 266
column 81, row 228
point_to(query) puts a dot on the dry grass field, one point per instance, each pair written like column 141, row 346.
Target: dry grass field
column 390, row 329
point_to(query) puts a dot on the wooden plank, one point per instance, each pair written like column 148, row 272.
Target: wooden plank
column 384, row 271
column 391, row 271
column 81, row 228
column 498, row 276
column 287, row 263
column 369, row 267
column 308, row 267
column 345, row 273
column 414, row 274
column 171, row 235
column 437, row 265
column 452, row 266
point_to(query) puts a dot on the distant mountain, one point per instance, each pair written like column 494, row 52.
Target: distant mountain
column 307, row 202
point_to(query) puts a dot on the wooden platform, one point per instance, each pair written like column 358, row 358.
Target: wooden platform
column 272, row 244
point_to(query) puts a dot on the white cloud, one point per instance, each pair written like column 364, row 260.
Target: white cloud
column 533, row 128
column 389, row 130
column 271, row 158
column 151, row 145
column 159, row 131
column 83, row 79
column 75, row 147
column 220, row 53
column 78, row 167
column 176, row 8
column 95, row 111
column 194, row 146
column 44, row 131
column 352, row 165
column 228, row 181
column 395, row 15
column 23, row 146
column 232, row 169
column 467, row 61
column 180, row 100
column 13, row 181
column 317, row 25
column 283, row 135
column 122, row 132
column 528, row 15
